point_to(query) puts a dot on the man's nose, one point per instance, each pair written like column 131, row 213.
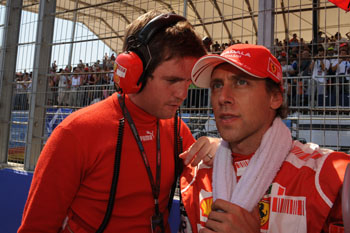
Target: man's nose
column 226, row 95
column 181, row 91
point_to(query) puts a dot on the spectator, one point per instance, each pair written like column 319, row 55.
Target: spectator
column 20, row 101
column 110, row 63
column 344, row 46
column 342, row 69
column 223, row 46
column 304, row 46
column 320, row 38
column 97, row 96
column 285, row 45
column 294, row 42
column 207, row 41
column 278, row 46
column 52, row 88
column 301, row 81
column 76, row 82
column 112, row 57
column 105, row 60
column 348, row 36
column 317, row 87
column 81, row 65
column 92, row 81
column 287, row 72
column 54, row 66
column 27, row 79
column 294, row 62
column 304, row 67
column 338, row 41
column 87, row 81
column 216, row 47
column 105, row 82
column 332, row 78
column 63, row 87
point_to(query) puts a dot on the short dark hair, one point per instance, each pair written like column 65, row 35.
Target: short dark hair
column 177, row 41
column 272, row 86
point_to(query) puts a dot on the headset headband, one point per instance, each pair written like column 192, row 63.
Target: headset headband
column 138, row 43
column 157, row 23
column 132, row 65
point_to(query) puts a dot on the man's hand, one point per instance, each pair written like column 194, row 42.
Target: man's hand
column 228, row 217
column 202, row 149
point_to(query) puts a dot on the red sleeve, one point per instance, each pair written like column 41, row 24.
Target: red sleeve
column 331, row 180
column 332, row 173
column 55, row 182
column 335, row 214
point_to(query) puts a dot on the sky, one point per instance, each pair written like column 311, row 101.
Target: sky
column 88, row 52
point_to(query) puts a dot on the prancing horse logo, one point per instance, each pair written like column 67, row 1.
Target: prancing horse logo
column 264, row 208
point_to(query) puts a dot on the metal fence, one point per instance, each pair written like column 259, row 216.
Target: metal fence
column 47, row 46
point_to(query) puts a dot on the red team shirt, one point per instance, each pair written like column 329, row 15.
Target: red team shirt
column 304, row 196
column 76, row 184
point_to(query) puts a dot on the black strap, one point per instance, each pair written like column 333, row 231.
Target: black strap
column 178, row 163
column 113, row 189
column 154, row 185
column 157, row 219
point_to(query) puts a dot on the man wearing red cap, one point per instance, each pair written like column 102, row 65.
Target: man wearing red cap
column 261, row 180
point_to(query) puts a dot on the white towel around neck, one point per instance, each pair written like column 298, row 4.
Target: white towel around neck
column 262, row 168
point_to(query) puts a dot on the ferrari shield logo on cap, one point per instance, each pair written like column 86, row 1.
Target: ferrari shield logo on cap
column 273, row 69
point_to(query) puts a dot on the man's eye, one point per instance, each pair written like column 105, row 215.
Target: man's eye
column 241, row 82
column 216, row 86
column 172, row 80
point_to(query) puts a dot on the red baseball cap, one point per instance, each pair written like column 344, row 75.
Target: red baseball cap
column 255, row 60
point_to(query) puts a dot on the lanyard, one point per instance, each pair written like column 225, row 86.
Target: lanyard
column 154, row 185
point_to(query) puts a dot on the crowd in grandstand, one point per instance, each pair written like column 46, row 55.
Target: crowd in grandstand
column 315, row 74
column 78, row 86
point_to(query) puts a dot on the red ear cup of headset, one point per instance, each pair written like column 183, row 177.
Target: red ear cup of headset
column 128, row 69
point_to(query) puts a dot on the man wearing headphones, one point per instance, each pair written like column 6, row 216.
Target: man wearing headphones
column 112, row 166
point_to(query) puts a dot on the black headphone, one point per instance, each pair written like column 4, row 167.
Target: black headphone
column 131, row 66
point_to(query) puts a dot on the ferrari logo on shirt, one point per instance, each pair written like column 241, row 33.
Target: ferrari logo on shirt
column 264, row 211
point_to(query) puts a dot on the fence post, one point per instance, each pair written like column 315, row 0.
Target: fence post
column 8, row 57
column 266, row 24
column 42, row 58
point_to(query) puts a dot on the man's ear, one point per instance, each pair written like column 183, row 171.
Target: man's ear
column 276, row 99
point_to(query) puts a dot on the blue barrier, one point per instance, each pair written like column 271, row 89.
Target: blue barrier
column 18, row 130
column 174, row 217
column 14, row 191
column 54, row 117
column 19, row 124
column 13, row 195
